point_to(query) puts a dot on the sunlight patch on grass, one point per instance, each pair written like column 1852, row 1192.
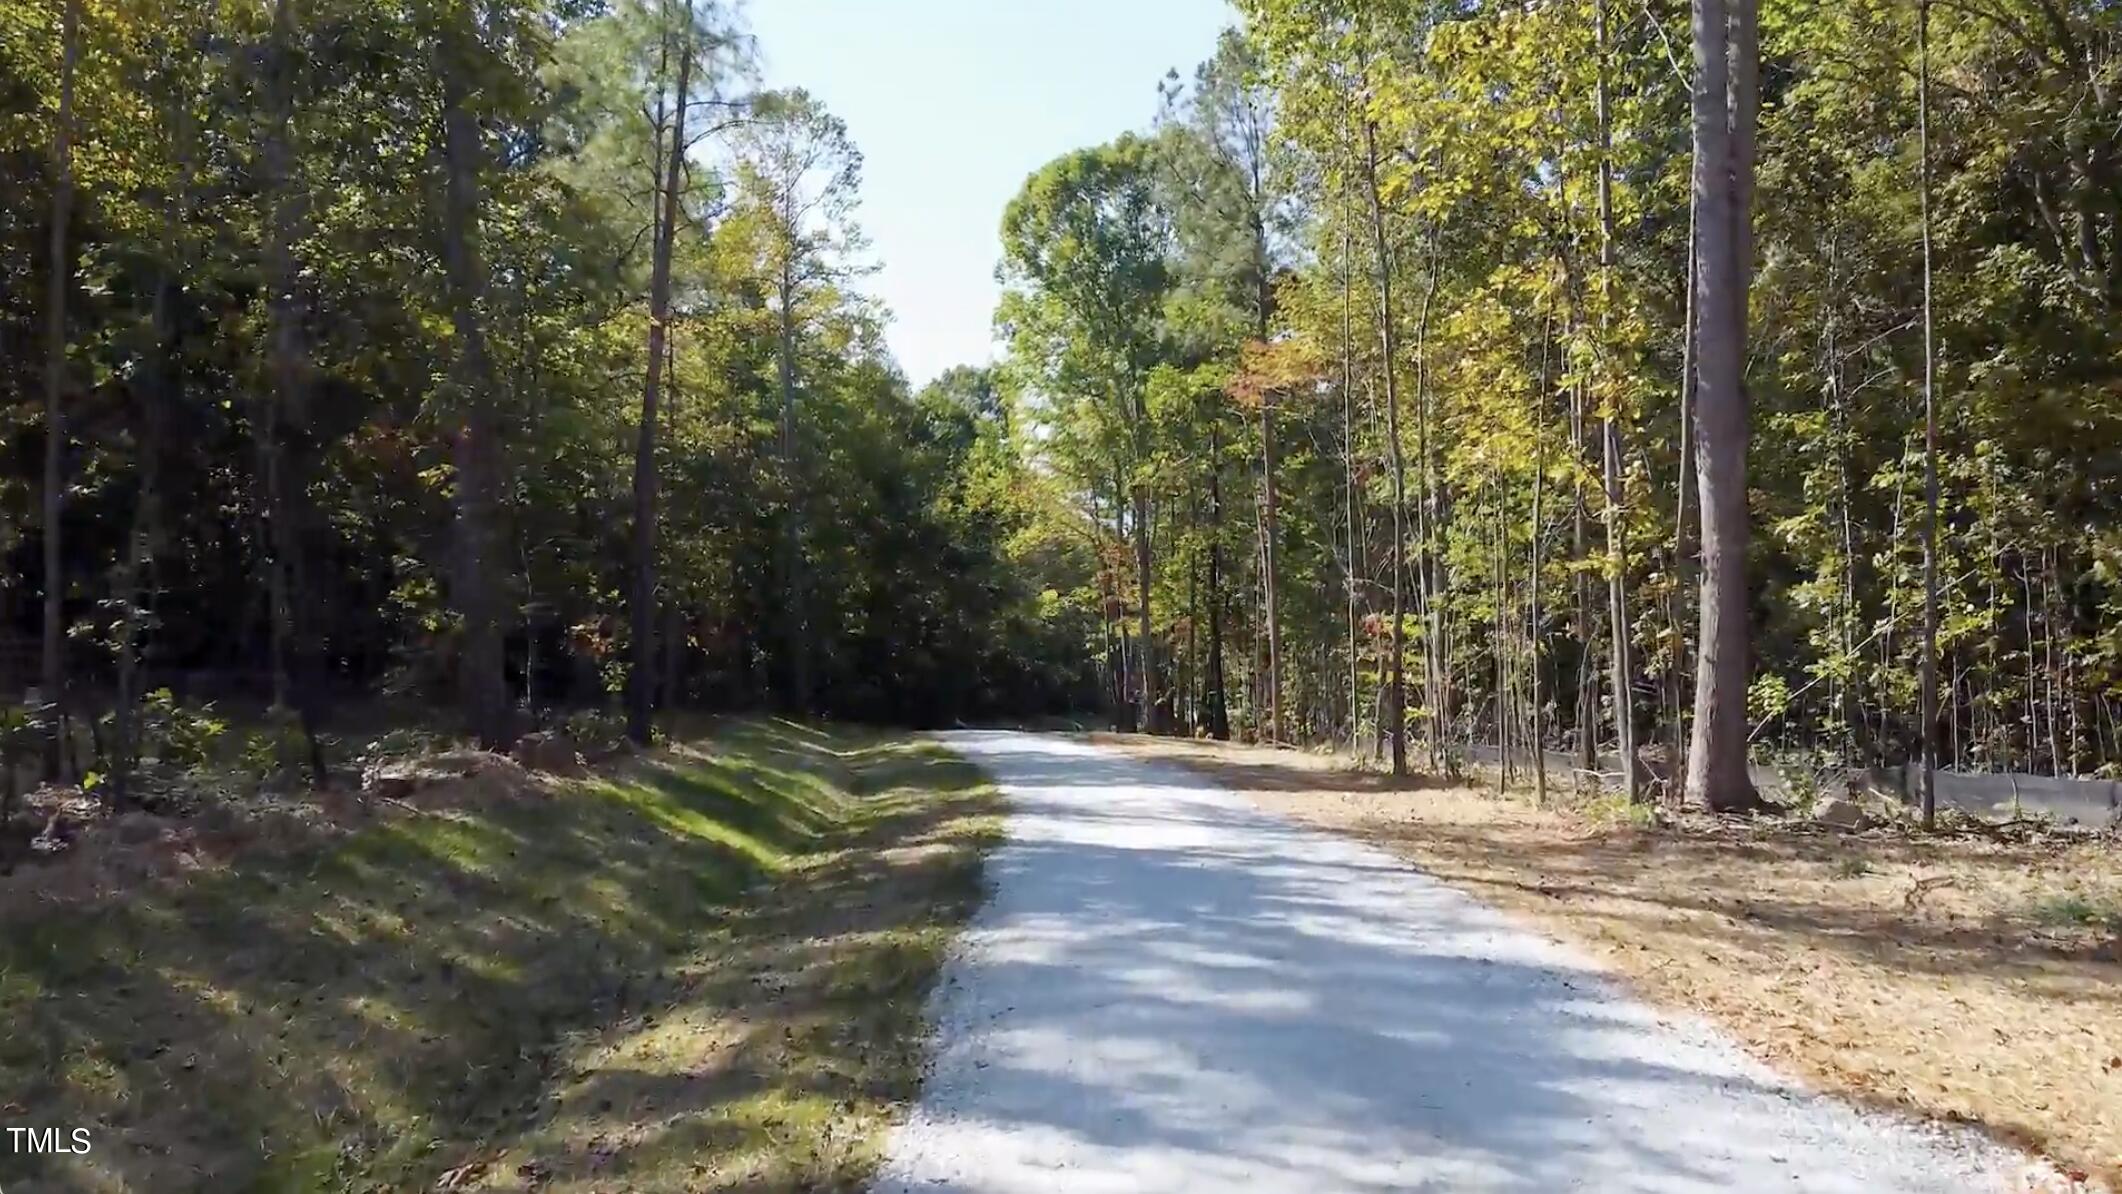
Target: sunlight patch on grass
column 441, row 987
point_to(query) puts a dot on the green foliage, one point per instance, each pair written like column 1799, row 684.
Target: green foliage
column 2079, row 911
column 217, row 145
column 179, row 735
column 1453, row 153
column 371, row 1009
column 595, row 731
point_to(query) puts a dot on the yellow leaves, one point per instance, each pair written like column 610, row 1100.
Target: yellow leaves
column 1290, row 365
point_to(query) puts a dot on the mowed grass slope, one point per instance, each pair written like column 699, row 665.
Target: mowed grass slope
column 702, row 969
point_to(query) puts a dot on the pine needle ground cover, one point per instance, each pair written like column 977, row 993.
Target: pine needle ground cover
column 1972, row 978
column 700, row 968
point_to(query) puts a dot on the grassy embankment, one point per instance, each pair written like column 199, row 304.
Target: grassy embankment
column 700, row 968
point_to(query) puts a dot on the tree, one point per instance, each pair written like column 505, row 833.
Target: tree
column 690, row 45
column 1086, row 250
column 1724, row 122
column 802, row 170
column 56, row 285
column 1214, row 144
column 476, row 450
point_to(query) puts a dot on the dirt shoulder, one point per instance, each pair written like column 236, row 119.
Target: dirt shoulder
column 1970, row 978
column 696, row 968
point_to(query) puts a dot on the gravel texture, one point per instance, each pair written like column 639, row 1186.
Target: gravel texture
column 1171, row 990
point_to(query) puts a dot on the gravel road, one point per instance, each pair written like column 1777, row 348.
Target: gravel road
column 1170, row 990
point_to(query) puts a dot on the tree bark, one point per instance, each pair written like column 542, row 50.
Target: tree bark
column 58, row 281
column 1267, row 581
column 1580, row 551
column 1429, row 561
column 475, row 448
column 1683, row 563
column 1348, row 465
column 1533, row 631
column 1218, row 698
column 796, row 632
column 1389, row 359
column 1725, row 61
column 1146, row 669
column 1927, row 680
column 1619, row 653
column 640, row 710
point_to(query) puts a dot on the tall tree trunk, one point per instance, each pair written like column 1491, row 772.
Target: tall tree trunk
column 1269, row 529
column 141, row 542
column 295, row 681
column 1724, row 114
column 475, row 448
column 1580, row 551
column 1534, row 628
column 1501, row 630
column 1619, row 653
column 1146, row 665
column 1683, row 546
column 1429, row 562
column 640, row 709
column 1388, row 363
column 1928, row 678
column 1348, row 466
column 796, row 632
column 279, row 410
column 57, row 282
column 1218, row 695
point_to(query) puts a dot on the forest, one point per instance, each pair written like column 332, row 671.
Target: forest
column 1498, row 374
column 488, row 359
column 1423, row 375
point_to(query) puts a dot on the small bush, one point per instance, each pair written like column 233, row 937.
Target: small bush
column 403, row 743
column 277, row 749
column 595, row 731
column 179, row 735
column 2081, row 912
column 1613, row 808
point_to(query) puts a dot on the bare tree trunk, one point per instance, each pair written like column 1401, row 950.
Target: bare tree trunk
column 640, row 709
column 1724, row 114
column 1619, row 653
column 1683, row 562
column 1190, row 682
column 794, row 592
column 57, row 283
column 1429, row 563
column 140, row 547
column 294, row 653
column 279, row 410
column 1501, row 654
column 1533, row 632
column 1927, row 679
column 1218, row 696
column 1348, row 464
column 1146, row 669
column 475, row 447
column 1388, row 364
column 1267, row 561
column 1580, row 550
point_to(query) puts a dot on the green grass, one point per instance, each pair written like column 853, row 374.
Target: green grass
column 432, row 992
column 2077, row 911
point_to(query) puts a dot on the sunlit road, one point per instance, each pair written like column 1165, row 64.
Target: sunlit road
column 1170, row 990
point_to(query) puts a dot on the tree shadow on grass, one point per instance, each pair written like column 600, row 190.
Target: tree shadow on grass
column 353, row 1010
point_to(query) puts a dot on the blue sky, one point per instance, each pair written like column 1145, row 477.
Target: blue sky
column 953, row 103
